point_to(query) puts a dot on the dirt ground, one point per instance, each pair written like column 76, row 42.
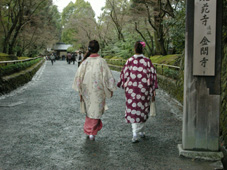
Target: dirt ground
column 41, row 128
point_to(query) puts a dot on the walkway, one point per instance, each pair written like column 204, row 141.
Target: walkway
column 41, row 128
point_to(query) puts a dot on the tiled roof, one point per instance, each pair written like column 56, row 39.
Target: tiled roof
column 61, row 46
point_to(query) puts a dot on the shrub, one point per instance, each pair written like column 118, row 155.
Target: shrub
column 13, row 68
column 170, row 73
column 117, row 61
column 117, row 58
column 108, row 57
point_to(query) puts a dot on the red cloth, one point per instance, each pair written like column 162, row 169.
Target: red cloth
column 92, row 126
column 94, row 55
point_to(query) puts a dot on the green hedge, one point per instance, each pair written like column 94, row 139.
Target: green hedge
column 168, row 72
column 116, row 62
column 12, row 82
column 13, row 68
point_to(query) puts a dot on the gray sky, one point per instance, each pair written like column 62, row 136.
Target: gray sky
column 96, row 5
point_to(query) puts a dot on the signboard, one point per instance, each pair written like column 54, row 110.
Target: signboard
column 204, row 37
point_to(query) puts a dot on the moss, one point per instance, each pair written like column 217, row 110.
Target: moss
column 6, row 57
column 3, row 54
column 117, row 58
column 23, row 58
column 168, row 59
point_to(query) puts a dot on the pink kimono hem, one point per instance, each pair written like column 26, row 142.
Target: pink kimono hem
column 92, row 126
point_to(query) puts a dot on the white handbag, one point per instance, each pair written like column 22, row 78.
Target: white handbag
column 153, row 109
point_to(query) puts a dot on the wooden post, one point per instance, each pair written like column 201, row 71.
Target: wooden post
column 201, row 92
column 162, row 69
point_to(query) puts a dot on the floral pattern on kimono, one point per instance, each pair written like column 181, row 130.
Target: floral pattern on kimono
column 139, row 80
column 95, row 82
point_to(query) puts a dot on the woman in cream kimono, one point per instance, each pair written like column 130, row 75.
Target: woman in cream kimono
column 94, row 82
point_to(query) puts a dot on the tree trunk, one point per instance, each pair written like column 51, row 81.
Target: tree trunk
column 152, row 42
column 157, row 44
column 137, row 30
column 160, row 45
column 12, row 44
column 160, row 41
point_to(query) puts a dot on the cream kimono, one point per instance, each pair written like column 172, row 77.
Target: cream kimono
column 94, row 81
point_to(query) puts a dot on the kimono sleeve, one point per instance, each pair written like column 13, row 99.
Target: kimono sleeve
column 108, row 80
column 123, row 76
column 152, row 76
column 78, row 79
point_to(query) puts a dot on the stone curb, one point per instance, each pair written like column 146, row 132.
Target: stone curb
column 11, row 82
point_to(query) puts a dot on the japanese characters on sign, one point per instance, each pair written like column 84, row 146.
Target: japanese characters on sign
column 204, row 37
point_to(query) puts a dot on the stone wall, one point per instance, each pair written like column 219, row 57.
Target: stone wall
column 11, row 82
column 171, row 86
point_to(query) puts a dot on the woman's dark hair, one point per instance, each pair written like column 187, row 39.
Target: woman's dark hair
column 93, row 47
column 138, row 47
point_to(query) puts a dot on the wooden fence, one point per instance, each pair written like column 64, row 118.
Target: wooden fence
column 165, row 65
column 16, row 61
column 122, row 62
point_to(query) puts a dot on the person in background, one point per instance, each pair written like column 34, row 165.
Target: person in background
column 52, row 58
column 69, row 57
column 94, row 82
column 73, row 58
column 80, row 58
column 138, row 79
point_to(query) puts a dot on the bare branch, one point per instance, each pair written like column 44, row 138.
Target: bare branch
column 149, row 17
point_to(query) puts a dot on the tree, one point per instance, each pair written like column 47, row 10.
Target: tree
column 175, row 29
column 16, row 18
column 68, row 11
column 43, row 31
column 80, row 27
column 156, row 12
column 16, row 15
column 117, row 10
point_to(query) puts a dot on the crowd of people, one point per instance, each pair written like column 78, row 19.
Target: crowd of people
column 69, row 57
column 94, row 82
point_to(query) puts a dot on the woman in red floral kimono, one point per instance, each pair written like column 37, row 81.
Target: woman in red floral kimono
column 138, row 79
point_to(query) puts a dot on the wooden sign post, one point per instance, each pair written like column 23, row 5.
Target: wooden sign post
column 202, row 81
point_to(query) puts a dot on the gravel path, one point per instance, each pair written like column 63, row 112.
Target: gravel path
column 41, row 128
